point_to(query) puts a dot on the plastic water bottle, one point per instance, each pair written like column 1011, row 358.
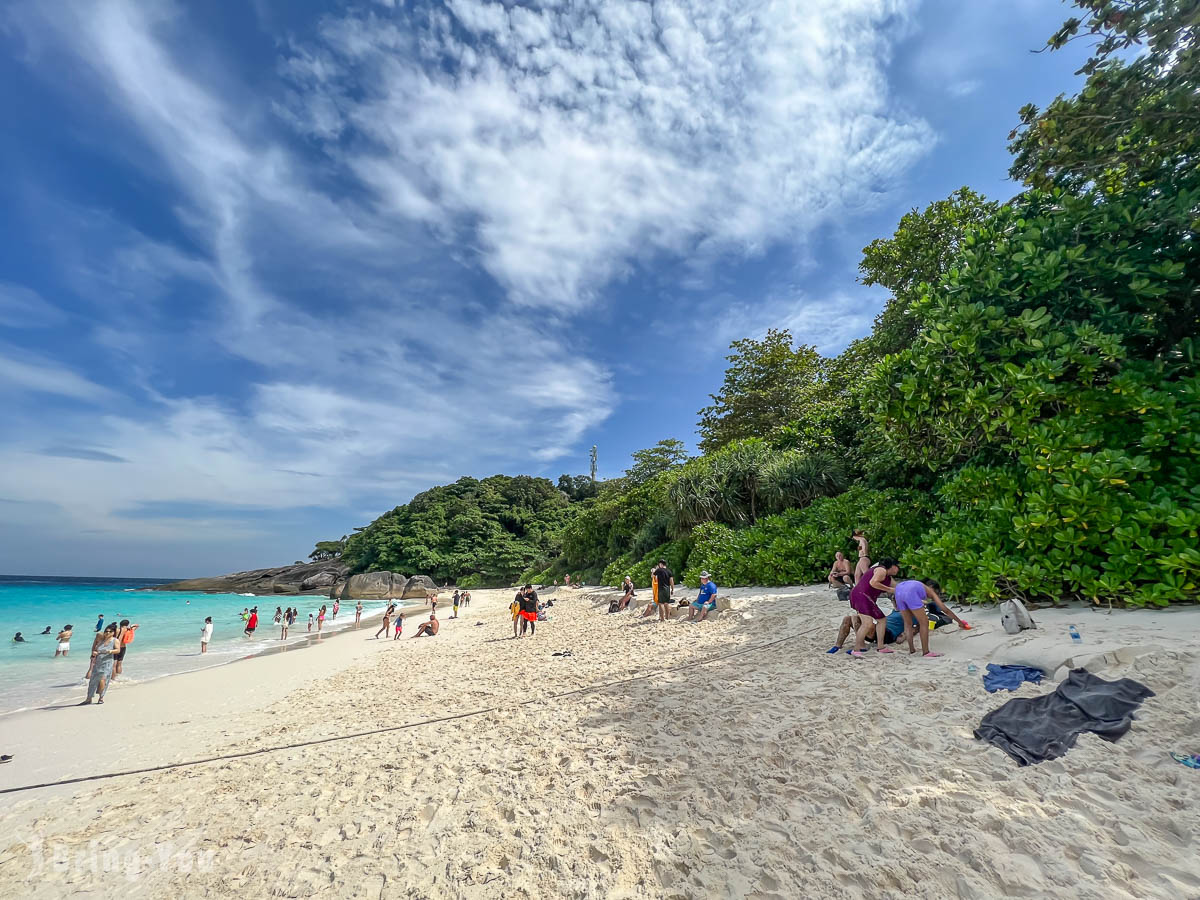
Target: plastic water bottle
column 1075, row 635
column 972, row 669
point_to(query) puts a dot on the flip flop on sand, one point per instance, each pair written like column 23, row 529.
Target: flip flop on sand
column 7, row 757
column 932, row 655
column 885, row 650
column 833, row 649
column 856, row 653
column 1191, row 760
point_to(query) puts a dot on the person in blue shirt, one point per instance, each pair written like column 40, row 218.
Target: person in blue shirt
column 706, row 602
column 100, row 624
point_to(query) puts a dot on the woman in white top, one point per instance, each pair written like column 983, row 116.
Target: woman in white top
column 206, row 635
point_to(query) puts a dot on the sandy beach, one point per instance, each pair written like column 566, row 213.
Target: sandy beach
column 728, row 759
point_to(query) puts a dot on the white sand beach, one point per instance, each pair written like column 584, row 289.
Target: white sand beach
column 732, row 758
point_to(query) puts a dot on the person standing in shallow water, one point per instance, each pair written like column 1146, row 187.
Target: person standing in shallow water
column 358, row 612
column 206, row 634
column 64, row 642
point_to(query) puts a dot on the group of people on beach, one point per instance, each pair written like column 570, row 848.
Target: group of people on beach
column 865, row 584
column 662, row 595
column 527, row 610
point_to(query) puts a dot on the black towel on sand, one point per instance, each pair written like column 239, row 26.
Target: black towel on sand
column 1034, row 730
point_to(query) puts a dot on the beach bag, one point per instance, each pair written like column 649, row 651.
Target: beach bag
column 844, row 594
column 613, row 605
column 1015, row 617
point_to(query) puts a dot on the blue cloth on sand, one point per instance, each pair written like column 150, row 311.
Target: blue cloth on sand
column 1009, row 678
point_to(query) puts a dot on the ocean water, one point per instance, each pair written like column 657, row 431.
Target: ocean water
column 168, row 641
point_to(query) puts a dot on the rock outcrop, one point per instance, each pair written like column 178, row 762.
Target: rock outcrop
column 419, row 587
column 306, row 578
column 372, row 586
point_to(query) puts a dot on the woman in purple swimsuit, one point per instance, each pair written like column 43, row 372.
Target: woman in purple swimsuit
column 863, row 600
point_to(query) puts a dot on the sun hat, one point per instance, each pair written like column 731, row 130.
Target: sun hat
column 705, row 575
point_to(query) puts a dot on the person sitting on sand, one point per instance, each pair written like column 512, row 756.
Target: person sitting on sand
column 911, row 596
column 387, row 620
column 64, row 642
column 863, row 600
column 864, row 556
column 429, row 628
column 839, row 572
column 629, row 594
column 706, row 601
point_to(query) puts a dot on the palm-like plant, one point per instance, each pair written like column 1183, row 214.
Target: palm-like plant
column 793, row 480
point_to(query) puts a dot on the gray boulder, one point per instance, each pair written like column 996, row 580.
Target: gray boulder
column 418, row 587
column 370, row 586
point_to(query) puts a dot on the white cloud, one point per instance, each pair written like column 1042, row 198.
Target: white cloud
column 577, row 140
column 41, row 376
column 557, row 148
column 21, row 307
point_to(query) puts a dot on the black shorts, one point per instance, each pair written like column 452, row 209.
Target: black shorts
column 120, row 656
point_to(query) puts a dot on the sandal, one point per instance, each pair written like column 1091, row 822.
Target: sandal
column 1191, row 760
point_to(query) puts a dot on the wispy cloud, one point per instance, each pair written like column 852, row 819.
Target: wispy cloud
column 576, row 141
column 393, row 243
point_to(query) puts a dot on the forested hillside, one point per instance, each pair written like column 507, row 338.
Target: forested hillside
column 1023, row 418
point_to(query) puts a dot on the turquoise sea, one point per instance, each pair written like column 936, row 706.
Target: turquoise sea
column 168, row 641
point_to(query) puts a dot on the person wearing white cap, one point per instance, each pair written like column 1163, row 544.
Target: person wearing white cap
column 706, row 602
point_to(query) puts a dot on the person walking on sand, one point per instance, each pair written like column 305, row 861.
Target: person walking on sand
column 357, row 613
column 706, row 600
column 206, row 634
column 125, row 633
column 387, row 620
column 515, row 609
column 911, row 596
column 399, row 627
column 863, row 600
column 529, row 601
column 64, row 642
column 104, row 652
column 840, row 572
column 251, row 623
column 665, row 579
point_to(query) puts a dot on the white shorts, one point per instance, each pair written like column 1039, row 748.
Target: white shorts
column 64, row 646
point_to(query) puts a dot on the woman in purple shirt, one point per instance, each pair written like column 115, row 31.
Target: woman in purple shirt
column 910, row 600
column 863, row 599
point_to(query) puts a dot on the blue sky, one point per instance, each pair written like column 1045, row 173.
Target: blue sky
column 270, row 268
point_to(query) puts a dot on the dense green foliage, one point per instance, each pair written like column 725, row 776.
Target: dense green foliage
column 1024, row 417
column 494, row 528
column 797, row 546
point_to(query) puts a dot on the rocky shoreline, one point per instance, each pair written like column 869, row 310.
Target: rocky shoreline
column 331, row 578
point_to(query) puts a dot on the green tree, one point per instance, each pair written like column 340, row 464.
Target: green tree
column 1136, row 123
column 662, row 457
column 921, row 251
column 326, row 550
column 767, row 385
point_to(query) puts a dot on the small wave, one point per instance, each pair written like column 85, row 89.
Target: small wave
column 247, row 595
